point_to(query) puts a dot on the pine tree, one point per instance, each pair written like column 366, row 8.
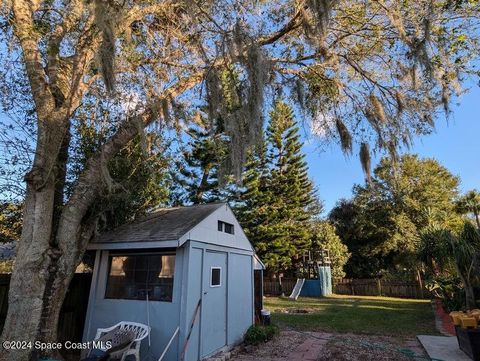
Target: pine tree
column 277, row 194
column 196, row 179
column 292, row 190
column 200, row 174
column 254, row 197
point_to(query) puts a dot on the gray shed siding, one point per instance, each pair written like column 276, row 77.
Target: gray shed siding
column 192, row 291
column 240, row 296
column 226, row 312
column 164, row 316
column 239, row 288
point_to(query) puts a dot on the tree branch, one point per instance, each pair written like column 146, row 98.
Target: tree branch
column 25, row 32
column 293, row 24
column 91, row 183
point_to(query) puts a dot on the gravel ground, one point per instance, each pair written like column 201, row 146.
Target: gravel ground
column 349, row 347
column 341, row 347
column 276, row 349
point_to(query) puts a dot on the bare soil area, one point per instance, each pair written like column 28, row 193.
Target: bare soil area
column 350, row 347
column 335, row 346
column 277, row 349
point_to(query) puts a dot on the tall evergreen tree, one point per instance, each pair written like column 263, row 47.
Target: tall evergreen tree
column 201, row 174
column 277, row 194
column 196, row 179
column 251, row 203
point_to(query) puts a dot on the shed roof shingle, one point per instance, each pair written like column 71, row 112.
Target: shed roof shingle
column 166, row 224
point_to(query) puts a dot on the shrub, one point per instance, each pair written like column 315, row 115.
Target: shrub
column 449, row 289
column 257, row 334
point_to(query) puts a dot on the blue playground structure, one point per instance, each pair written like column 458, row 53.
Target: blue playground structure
column 317, row 281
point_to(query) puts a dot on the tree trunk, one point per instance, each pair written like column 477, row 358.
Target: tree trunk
column 469, row 293
column 34, row 285
column 420, row 283
column 53, row 242
column 42, row 274
column 54, row 234
column 35, row 299
column 477, row 218
column 470, row 297
column 38, row 286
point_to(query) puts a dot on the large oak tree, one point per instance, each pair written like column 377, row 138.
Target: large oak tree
column 370, row 71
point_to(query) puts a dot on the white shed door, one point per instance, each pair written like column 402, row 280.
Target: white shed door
column 214, row 303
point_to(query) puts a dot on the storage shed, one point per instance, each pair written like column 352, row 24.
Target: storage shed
column 175, row 266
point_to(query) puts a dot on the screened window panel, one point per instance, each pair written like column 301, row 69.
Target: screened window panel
column 134, row 276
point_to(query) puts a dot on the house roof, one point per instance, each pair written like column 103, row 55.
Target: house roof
column 165, row 224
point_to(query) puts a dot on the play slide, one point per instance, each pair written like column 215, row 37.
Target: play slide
column 297, row 289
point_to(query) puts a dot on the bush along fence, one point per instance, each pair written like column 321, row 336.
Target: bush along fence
column 355, row 287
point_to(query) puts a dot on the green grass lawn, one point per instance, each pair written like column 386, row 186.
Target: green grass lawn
column 357, row 314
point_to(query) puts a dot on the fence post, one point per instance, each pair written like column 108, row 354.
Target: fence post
column 420, row 283
column 379, row 286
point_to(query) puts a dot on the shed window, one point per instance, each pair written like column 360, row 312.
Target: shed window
column 228, row 228
column 225, row 227
column 216, row 277
column 132, row 276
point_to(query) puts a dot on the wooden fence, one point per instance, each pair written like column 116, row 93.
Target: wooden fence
column 379, row 287
column 273, row 287
column 4, row 282
column 74, row 309
column 358, row 287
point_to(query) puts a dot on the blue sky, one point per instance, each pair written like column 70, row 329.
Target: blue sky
column 455, row 144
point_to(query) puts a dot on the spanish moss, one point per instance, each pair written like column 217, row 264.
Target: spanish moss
column 242, row 122
column 345, row 136
column 366, row 161
column 321, row 10
column 377, row 108
column 106, row 54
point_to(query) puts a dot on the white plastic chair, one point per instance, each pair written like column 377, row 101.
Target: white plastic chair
column 139, row 329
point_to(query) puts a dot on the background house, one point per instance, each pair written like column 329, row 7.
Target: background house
column 176, row 257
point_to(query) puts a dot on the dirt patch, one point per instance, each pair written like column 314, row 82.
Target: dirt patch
column 297, row 310
column 350, row 347
column 339, row 347
column 293, row 310
column 278, row 348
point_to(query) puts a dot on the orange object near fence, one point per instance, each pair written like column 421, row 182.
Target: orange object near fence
column 475, row 314
column 468, row 322
column 456, row 320
column 465, row 320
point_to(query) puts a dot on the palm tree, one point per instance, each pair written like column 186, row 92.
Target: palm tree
column 465, row 251
column 470, row 203
column 440, row 246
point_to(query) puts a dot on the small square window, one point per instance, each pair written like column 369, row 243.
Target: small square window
column 216, row 277
column 225, row 227
column 228, row 228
